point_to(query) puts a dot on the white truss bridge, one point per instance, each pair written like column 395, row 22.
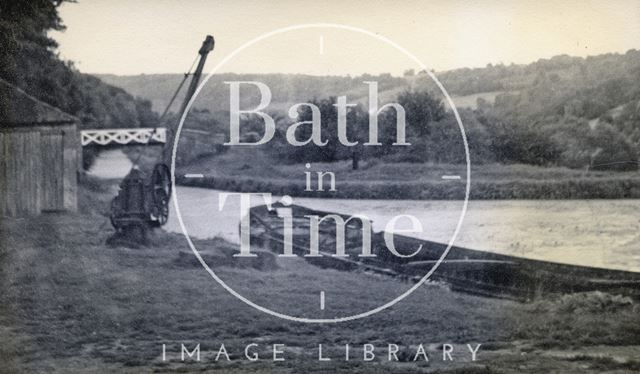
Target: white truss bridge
column 124, row 136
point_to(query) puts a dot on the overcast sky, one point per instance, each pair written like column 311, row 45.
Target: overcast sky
column 162, row 36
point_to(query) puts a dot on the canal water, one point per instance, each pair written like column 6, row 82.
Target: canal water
column 603, row 233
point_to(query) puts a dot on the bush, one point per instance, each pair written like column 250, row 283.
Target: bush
column 586, row 302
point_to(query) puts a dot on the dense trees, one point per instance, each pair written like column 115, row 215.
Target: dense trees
column 584, row 109
column 333, row 150
column 29, row 60
column 551, row 140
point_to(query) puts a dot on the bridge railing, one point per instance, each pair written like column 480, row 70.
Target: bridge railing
column 124, row 136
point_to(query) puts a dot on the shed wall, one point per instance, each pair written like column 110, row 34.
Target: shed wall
column 38, row 169
column 20, row 173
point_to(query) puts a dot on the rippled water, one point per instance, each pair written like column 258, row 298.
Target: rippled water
column 604, row 233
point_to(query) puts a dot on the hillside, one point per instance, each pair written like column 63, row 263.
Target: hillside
column 287, row 89
column 466, row 85
column 563, row 111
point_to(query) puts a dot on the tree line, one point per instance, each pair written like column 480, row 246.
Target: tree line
column 30, row 61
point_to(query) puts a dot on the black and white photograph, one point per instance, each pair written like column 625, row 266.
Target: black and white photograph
column 217, row 186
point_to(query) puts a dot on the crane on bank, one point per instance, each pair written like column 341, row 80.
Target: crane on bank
column 142, row 201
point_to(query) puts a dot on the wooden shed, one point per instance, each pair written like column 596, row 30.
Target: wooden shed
column 39, row 148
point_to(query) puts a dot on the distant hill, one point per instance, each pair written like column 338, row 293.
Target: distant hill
column 563, row 76
column 285, row 88
column 566, row 111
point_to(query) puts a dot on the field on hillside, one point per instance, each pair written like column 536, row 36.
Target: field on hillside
column 250, row 161
column 247, row 169
column 71, row 304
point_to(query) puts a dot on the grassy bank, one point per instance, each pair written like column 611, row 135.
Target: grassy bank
column 70, row 304
column 586, row 188
column 248, row 170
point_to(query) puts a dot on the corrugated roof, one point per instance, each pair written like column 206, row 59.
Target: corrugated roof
column 19, row 108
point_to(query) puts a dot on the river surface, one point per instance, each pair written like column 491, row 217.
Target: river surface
column 603, row 233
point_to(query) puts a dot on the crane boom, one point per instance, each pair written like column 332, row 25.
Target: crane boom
column 207, row 46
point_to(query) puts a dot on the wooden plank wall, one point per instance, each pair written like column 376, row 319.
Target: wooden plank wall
column 20, row 173
column 52, row 172
column 38, row 169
